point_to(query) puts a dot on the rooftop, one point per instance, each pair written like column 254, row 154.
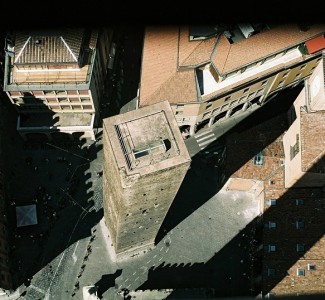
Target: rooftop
column 146, row 139
column 170, row 57
column 50, row 46
column 49, row 57
column 55, row 120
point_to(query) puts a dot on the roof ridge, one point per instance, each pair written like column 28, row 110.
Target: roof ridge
column 69, row 49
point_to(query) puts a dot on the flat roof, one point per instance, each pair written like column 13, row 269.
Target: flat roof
column 146, row 139
column 56, row 119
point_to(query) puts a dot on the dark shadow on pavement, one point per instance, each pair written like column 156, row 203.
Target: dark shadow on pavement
column 107, row 281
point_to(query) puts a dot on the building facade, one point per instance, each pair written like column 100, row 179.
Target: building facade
column 145, row 161
column 55, row 79
column 288, row 254
column 304, row 140
column 294, row 258
column 209, row 74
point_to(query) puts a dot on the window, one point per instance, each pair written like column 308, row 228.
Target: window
column 269, row 57
column 233, row 103
column 242, row 99
column 300, row 224
column 251, row 95
column 280, row 84
column 298, row 75
column 300, row 272
column 272, row 248
column 285, row 75
column 311, row 267
column 300, row 248
column 259, row 92
column 270, row 272
column 216, row 110
column 272, row 224
column 258, row 159
column 264, row 83
column 294, row 150
column 230, row 74
column 272, row 202
column 299, row 202
column 208, row 105
column 207, row 114
column 251, row 65
column 225, row 106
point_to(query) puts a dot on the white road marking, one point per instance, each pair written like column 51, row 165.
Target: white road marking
column 74, row 256
column 37, row 289
column 148, row 261
column 161, row 248
column 160, row 259
column 134, row 273
column 126, row 279
column 136, row 278
column 155, row 256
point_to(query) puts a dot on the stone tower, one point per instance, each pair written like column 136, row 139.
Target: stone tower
column 145, row 162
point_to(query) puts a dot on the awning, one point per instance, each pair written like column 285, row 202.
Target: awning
column 26, row 215
column 316, row 44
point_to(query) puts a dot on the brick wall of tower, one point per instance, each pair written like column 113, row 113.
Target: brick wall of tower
column 145, row 204
column 135, row 206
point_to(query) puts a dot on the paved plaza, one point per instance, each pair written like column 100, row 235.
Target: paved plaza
column 205, row 241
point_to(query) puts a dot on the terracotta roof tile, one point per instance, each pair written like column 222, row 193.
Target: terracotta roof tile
column 159, row 59
column 228, row 57
column 193, row 53
column 167, row 48
column 180, row 87
column 48, row 47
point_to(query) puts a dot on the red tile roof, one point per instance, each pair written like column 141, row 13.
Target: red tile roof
column 316, row 44
column 228, row 57
column 167, row 50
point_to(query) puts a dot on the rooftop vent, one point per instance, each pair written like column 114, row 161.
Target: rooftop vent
column 246, row 29
column 151, row 148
